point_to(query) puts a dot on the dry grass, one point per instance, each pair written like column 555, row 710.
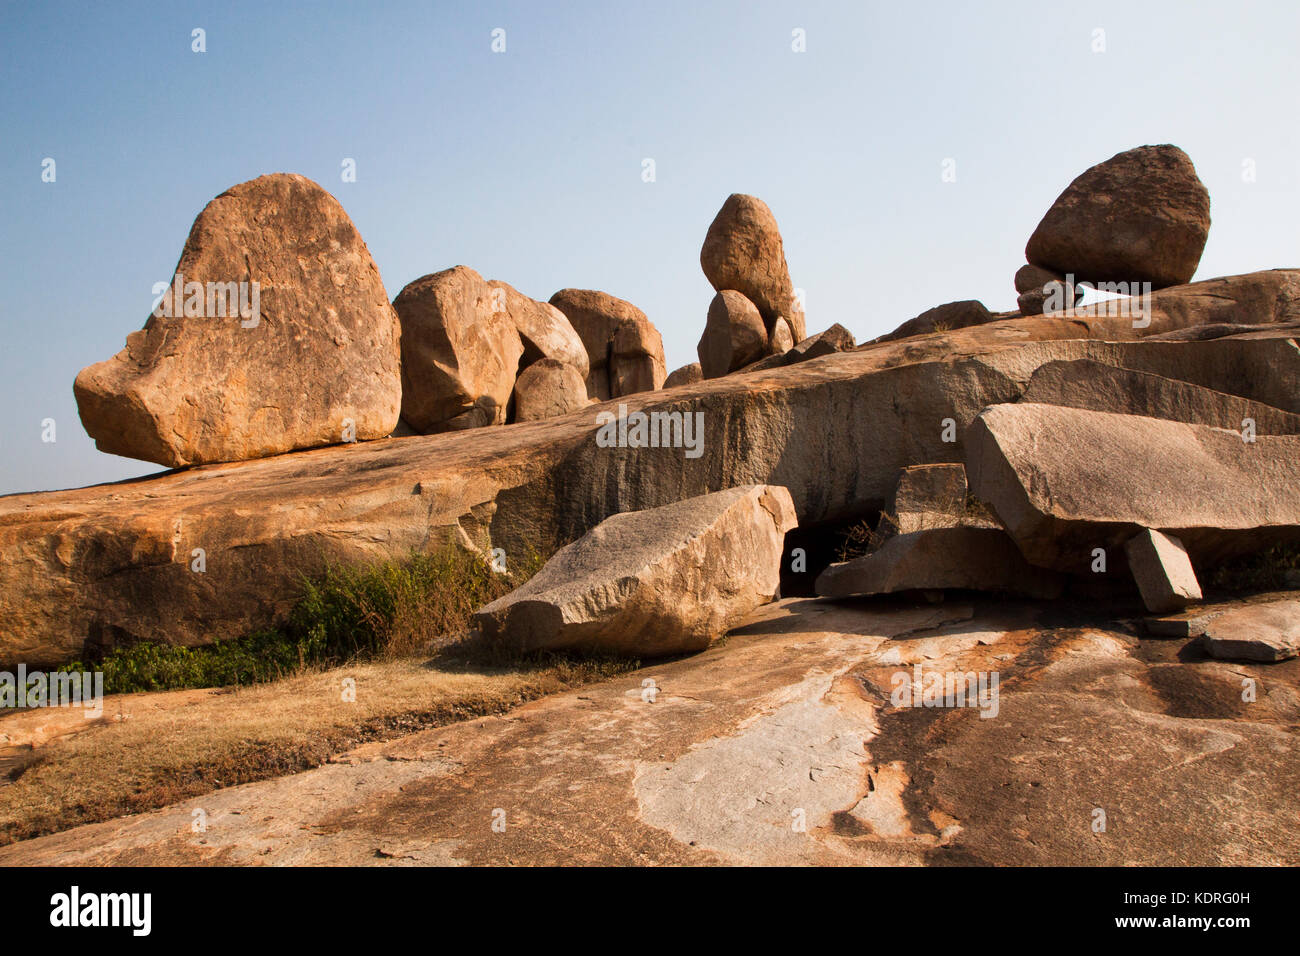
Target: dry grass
column 150, row 750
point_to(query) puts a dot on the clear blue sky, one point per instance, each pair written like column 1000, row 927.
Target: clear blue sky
column 526, row 165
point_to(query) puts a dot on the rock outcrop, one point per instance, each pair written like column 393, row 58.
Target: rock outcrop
column 944, row 318
column 275, row 334
column 459, row 353
column 655, row 582
column 743, row 251
column 1141, row 216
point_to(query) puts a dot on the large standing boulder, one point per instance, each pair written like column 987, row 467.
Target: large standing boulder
column 1065, row 481
column 459, row 354
column 548, row 388
column 649, row 583
column 734, row 335
column 543, row 329
column 312, row 359
column 1141, row 216
column 636, row 359
column 743, row 251
column 596, row 316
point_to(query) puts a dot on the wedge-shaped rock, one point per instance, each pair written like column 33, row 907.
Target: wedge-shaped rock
column 459, row 353
column 543, row 329
column 1086, row 383
column 281, row 337
column 1257, row 632
column 1162, row 570
column 1065, row 481
column 655, row 582
column 978, row 559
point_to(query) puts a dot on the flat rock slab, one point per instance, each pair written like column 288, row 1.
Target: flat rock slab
column 1260, row 632
column 1066, row 481
column 651, row 583
column 980, row 559
column 783, row 747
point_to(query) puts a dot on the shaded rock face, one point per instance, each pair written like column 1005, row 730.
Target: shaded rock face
column 734, row 335
column 1141, row 216
column 111, row 563
column 1162, row 570
column 636, row 359
column 313, row 360
column 983, row 559
column 943, row 318
column 930, row 496
column 1260, row 632
column 459, row 353
column 782, row 339
column 548, row 388
column 686, row 375
column 543, row 329
column 596, row 317
column 1066, row 481
column 743, row 251
column 654, row 582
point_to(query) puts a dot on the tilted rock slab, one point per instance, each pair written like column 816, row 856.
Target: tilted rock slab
column 1065, row 481
column 980, row 559
column 460, row 353
column 1142, row 215
column 1162, row 570
column 1257, row 632
column 649, row 583
column 95, row 566
column 316, row 363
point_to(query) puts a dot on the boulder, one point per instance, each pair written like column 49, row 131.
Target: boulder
column 734, row 335
column 1267, row 633
column 596, row 316
column 648, row 583
column 1030, row 278
column 782, row 339
column 1054, row 296
column 1162, row 570
column 835, row 339
column 1141, row 216
column 543, row 329
column 929, row 496
column 1086, row 383
column 981, row 559
column 313, row 359
column 943, row 318
column 686, row 375
column 459, row 354
column 743, row 251
column 1065, row 481
column 636, row 362
column 548, row 388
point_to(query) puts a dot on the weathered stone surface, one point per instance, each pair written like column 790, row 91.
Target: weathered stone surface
column 782, row 339
column 943, row 318
column 743, row 251
column 99, row 565
column 1031, row 278
column 595, row 316
column 929, row 496
column 1065, row 481
column 1183, row 624
column 981, row 559
column 1085, row 383
column 686, row 375
column 543, row 329
column 1142, row 215
column 319, row 352
column 655, row 582
column 734, row 335
column 835, row 339
column 794, row 706
column 1258, row 632
column 459, row 354
column 1162, row 570
column 636, row 362
column 548, row 388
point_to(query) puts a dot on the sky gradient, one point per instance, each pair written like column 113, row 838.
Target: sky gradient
column 527, row 164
